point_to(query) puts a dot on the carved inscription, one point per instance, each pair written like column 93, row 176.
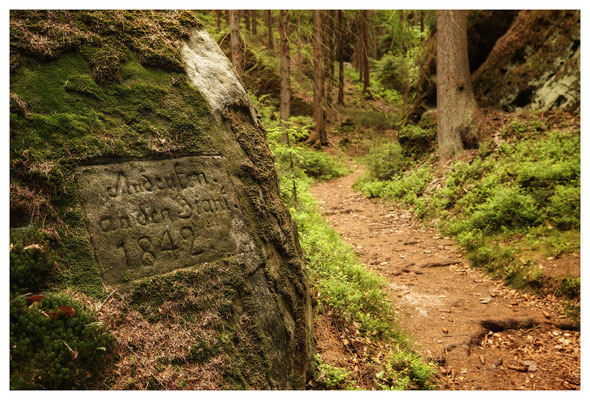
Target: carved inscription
column 151, row 217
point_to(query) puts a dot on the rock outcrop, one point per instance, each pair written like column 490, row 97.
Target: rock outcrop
column 536, row 64
column 526, row 59
column 136, row 146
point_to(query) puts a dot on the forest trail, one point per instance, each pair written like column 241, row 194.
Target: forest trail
column 482, row 335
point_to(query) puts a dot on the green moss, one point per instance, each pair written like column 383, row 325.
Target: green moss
column 115, row 87
column 32, row 260
column 50, row 349
column 218, row 289
column 104, row 37
column 70, row 118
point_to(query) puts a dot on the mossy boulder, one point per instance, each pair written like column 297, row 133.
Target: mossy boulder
column 135, row 149
column 536, row 64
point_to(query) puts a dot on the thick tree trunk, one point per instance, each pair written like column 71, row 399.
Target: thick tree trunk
column 340, row 58
column 285, row 108
column 254, row 22
column 268, row 21
column 237, row 57
column 456, row 106
column 318, row 137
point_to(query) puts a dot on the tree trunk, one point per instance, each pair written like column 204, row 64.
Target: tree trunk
column 237, row 58
column 218, row 20
column 329, row 55
column 456, row 106
column 318, row 137
column 246, row 14
column 365, row 50
column 285, row 109
column 227, row 17
column 268, row 21
column 254, row 22
column 299, row 46
column 340, row 55
column 421, row 22
column 358, row 44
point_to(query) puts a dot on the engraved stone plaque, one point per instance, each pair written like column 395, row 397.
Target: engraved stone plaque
column 151, row 217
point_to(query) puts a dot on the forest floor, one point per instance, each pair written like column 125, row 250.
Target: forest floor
column 481, row 334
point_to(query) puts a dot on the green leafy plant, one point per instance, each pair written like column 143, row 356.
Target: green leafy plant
column 330, row 377
column 385, row 161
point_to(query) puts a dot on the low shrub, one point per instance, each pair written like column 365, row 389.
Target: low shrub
column 564, row 207
column 385, row 161
column 331, row 377
column 320, row 165
column 507, row 207
column 393, row 71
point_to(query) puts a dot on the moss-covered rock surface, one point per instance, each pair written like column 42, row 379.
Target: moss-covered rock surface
column 103, row 87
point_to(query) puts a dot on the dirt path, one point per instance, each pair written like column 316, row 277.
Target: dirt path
column 476, row 329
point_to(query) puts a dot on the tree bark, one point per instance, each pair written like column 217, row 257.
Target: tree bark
column 329, row 55
column 365, row 50
column 421, row 21
column 218, row 20
column 227, row 17
column 285, row 107
column 268, row 21
column 246, row 14
column 340, row 55
column 318, row 137
column 254, row 22
column 237, row 57
column 299, row 46
column 456, row 106
column 358, row 44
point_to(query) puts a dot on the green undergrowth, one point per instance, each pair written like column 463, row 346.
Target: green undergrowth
column 344, row 286
column 56, row 343
column 511, row 205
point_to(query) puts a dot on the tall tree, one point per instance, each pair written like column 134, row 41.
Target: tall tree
column 254, row 22
column 356, row 57
column 456, row 106
column 268, row 22
column 365, row 50
column 318, row 137
column 285, row 108
column 340, row 55
column 227, row 17
column 246, row 14
column 421, row 13
column 237, row 57
column 299, row 47
column 329, row 54
column 218, row 19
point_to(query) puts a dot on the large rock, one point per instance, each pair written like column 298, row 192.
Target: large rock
column 526, row 59
column 536, row 64
column 156, row 178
